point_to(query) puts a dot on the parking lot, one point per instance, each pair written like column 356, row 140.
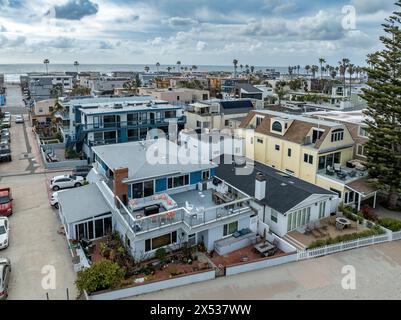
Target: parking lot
column 35, row 246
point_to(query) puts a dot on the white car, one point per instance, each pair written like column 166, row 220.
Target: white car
column 66, row 181
column 4, row 232
column 19, row 119
column 54, row 199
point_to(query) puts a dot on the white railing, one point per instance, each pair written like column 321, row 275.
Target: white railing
column 397, row 235
column 348, row 245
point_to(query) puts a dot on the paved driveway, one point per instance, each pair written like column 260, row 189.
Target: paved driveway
column 378, row 270
column 34, row 241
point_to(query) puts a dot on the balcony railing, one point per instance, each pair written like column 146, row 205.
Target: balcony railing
column 128, row 124
column 190, row 219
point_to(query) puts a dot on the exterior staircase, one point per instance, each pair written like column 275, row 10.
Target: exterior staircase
column 294, row 242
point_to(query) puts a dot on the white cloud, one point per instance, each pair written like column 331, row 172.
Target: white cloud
column 201, row 45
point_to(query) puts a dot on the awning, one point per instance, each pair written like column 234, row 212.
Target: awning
column 362, row 186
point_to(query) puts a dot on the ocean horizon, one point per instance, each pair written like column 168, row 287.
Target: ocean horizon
column 12, row 72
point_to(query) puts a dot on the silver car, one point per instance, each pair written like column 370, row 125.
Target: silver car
column 5, row 270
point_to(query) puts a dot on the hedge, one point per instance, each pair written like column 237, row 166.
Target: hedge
column 391, row 224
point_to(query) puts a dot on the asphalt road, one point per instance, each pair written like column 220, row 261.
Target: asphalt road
column 36, row 249
column 14, row 103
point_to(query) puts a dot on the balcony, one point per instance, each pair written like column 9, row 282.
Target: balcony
column 190, row 214
column 345, row 175
column 130, row 124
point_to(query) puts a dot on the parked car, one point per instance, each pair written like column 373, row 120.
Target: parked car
column 6, row 202
column 6, row 123
column 54, row 199
column 66, row 181
column 19, row 118
column 4, row 232
column 5, row 271
column 5, row 134
column 5, row 152
column 82, row 171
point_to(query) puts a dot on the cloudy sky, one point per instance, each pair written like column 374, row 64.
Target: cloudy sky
column 212, row 32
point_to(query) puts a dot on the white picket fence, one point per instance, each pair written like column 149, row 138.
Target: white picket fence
column 348, row 245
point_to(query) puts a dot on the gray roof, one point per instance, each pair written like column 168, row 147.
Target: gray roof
column 82, row 203
column 142, row 162
column 249, row 88
column 105, row 100
column 283, row 192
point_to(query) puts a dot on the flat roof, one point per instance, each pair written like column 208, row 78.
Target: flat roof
column 356, row 117
column 150, row 159
column 140, row 107
column 105, row 100
column 283, row 191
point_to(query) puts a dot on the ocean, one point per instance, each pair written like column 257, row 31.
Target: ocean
column 12, row 72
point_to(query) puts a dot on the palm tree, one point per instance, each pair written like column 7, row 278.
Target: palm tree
column 307, row 68
column 168, row 69
column 241, row 67
column 351, row 71
column 298, row 68
column 146, row 69
column 321, row 61
column 46, row 62
column 157, row 66
column 235, row 63
column 314, row 69
column 290, row 71
column 76, row 64
column 333, row 73
column 252, row 69
column 343, row 68
column 178, row 65
column 194, row 67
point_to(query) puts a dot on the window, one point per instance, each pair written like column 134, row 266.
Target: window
column 137, row 190
column 198, row 124
column 308, row 158
column 178, row 98
column 322, row 209
column 289, row 152
column 259, row 141
column 317, row 134
column 298, row 219
column 329, row 160
column 132, row 119
column 161, row 241
column 206, row 175
column 229, row 229
column 363, row 132
column 349, row 197
column 360, row 150
column 148, row 188
column 274, row 216
column 336, row 191
column 337, row 135
column 258, row 121
column 277, row 147
column 177, row 182
column 277, row 126
column 170, row 114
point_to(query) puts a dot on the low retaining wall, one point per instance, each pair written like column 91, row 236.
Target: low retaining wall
column 260, row 264
column 154, row 286
column 62, row 164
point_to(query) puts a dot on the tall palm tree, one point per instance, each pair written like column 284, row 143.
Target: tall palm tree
column 178, row 65
column 46, row 62
column 333, row 73
column 157, row 66
column 241, row 67
column 321, row 61
column 168, row 69
column 76, row 65
column 314, row 69
column 307, row 69
column 235, row 63
column 290, row 71
column 194, row 67
column 298, row 68
column 343, row 68
column 351, row 71
column 252, row 69
column 146, row 68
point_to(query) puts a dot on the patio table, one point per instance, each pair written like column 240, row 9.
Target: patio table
column 342, row 223
column 264, row 247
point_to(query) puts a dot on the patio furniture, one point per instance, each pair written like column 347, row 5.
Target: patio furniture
column 337, row 167
column 341, row 175
column 265, row 248
column 342, row 223
column 330, row 171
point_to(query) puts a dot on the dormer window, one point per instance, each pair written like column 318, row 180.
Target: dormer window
column 277, row 126
column 337, row 135
column 258, row 121
column 316, row 135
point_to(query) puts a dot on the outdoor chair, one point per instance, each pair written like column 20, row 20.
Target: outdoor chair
column 330, row 171
column 337, row 167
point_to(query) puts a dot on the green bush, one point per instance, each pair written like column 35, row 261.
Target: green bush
column 391, row 224
column 375, row 231
column 71, row 154
column 101, row 275
column 161, row 254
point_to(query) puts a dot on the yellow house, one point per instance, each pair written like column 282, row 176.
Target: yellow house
column 317, row 151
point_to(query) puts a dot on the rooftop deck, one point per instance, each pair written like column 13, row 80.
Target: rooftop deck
column 346, row 175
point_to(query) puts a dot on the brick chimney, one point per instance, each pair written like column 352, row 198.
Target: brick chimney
column 120, row 188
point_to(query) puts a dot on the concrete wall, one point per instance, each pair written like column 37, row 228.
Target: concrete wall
column 154, row 286
column 261, row 264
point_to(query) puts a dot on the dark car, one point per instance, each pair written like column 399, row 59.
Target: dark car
column 82, row 171
column 5, row 153
column 5, row 135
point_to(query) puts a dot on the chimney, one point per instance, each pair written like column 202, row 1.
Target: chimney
column 120, row 188
column 260, row 186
